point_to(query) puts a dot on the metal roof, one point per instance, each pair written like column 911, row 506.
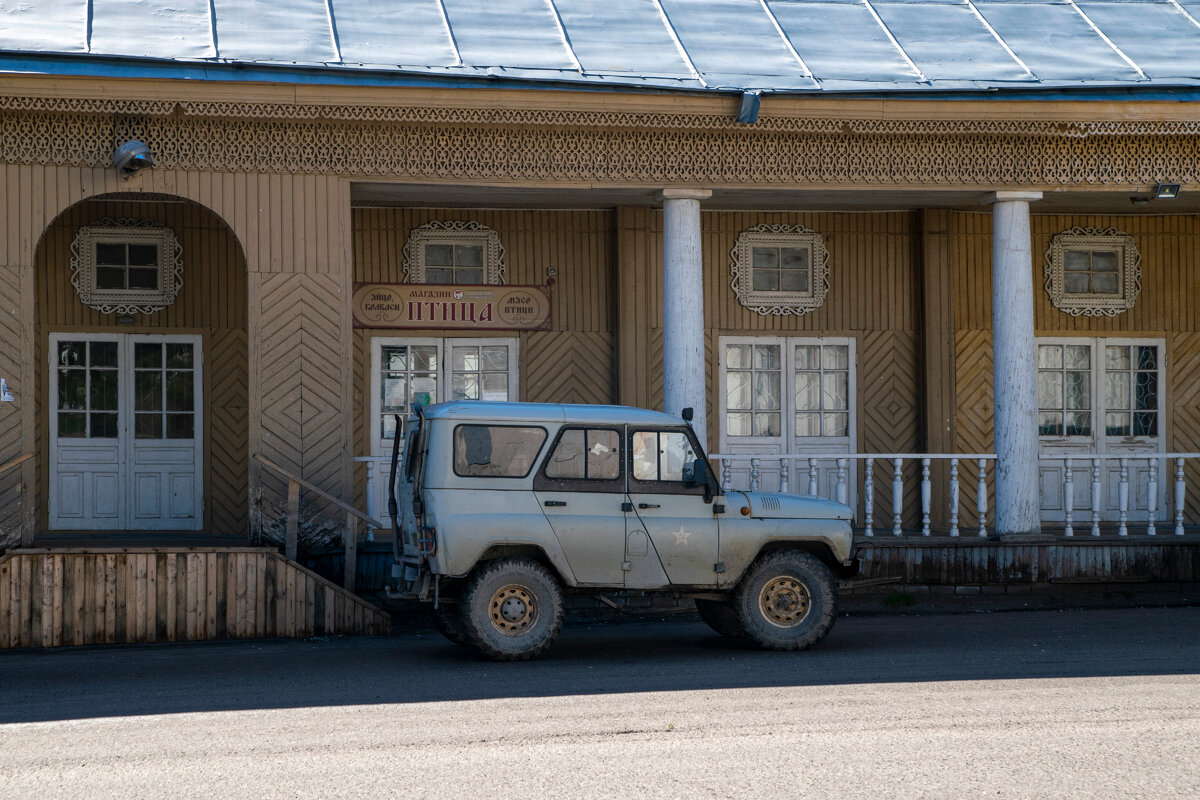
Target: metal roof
column 789, row 46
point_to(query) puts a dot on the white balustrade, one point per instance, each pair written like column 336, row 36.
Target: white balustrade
column 954, row 497
column 868, row 496
column 925, row 496
column 897, row 494
column 841, row 470
column 1130, row 505
column 1068, row 497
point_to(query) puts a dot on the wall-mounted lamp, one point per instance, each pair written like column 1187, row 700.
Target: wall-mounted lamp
column 6, row 395
column 132, row 157
column 1166, row 191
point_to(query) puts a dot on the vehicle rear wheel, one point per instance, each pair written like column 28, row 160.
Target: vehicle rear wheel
column 447, row 618
column 786, row 601
column 512, row 609
column 720, row 617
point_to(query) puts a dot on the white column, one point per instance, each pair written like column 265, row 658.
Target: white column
column 1014, row 365
column 683, row 307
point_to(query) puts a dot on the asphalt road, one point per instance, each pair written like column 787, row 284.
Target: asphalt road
column 1034, row 704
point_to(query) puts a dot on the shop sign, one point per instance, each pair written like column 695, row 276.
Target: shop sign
column 448, row 307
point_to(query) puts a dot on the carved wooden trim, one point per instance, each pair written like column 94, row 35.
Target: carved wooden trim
column 453, row 231
column 129, row 301
column 1092, row 304
column 741, row 270
column 637, row 149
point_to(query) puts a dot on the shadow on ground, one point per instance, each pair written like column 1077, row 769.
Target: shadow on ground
column 664, row 655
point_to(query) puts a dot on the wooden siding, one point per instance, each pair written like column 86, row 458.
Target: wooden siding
column 50, row 598
column 1167, row 307
column 286, row 224
column 211, row 302
column 874, row 297
column 570, row 363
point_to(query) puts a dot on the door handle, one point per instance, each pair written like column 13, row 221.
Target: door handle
column 647, row 505
column 555, row 503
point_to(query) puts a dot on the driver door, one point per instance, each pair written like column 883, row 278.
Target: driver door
column 681, row 526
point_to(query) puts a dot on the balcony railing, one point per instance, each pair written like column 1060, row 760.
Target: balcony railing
column 970, row 483
column 895, row 465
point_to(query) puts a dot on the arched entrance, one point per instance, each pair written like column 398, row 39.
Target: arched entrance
column 140, row 328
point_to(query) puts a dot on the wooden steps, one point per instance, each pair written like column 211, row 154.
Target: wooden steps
column 118, row 595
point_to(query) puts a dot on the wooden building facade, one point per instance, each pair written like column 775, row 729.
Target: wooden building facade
column 950, row 284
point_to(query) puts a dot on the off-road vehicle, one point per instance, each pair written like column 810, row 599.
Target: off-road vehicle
column 502, row 508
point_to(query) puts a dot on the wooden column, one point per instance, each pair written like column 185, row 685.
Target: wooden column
column 683, row 307
column 1014, row 365
column 937, row 328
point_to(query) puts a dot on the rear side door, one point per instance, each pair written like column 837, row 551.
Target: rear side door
column 675, row 516
column 581, row 488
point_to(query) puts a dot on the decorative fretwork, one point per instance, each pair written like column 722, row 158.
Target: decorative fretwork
column 622, row 148
column 782, row 286
column 131, row 297
column 452, row 234
column 1080, row 284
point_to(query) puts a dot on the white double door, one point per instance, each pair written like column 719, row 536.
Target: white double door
column 1104, row 396
column 788, row 396
column 126, row 432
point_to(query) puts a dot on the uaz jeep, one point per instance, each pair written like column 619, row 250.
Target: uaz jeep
column 501, row 508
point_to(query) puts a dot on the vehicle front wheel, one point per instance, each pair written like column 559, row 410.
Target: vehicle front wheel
column 719, row 616
column 512, row 609
column 786, row 601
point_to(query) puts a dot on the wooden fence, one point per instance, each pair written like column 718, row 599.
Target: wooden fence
column 56, row 597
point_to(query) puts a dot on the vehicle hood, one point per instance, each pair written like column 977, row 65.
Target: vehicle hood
column 773, row 505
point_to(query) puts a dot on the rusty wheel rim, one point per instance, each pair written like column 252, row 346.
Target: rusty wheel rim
column 513, row 610
column 785, row 601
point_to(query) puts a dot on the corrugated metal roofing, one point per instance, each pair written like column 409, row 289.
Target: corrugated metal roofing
column 724, row 45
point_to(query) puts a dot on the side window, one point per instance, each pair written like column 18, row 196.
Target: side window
column 583, row 460
column 496, row 451
column 661, row 456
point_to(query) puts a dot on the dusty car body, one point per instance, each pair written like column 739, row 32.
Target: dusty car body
column 577, row 498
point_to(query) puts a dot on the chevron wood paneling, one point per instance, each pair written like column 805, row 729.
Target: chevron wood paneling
column 1183, row 413
column 15, row 484
column 298, row 345
column 362, row 410
column 889, row 414
column 973, row 382
column 567, row 367
column 228, row 418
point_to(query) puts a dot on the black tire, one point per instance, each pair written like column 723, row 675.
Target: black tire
column 447, row 618
column 512, row 609
column 786, row 601
column 720, row 617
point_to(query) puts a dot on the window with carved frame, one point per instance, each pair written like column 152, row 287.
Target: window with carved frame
column 454, row 252
column 126, row 266
column 780, row 269
column 1093, row 272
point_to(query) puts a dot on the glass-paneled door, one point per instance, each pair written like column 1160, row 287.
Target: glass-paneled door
column 784, row 396
column 126, row 439
column 432, row 370
column 1099, row 396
